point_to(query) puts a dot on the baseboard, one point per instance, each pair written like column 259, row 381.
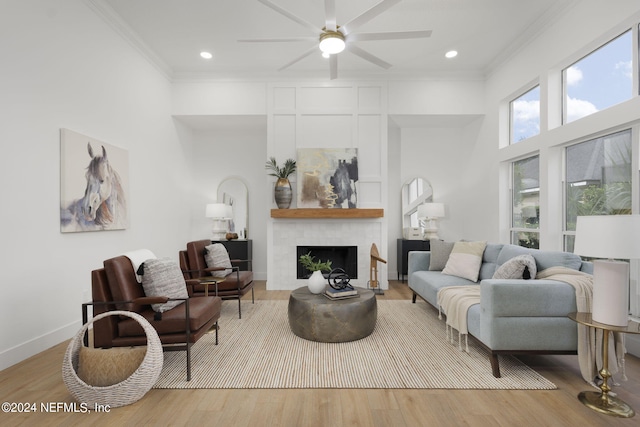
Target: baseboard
column 36, row 345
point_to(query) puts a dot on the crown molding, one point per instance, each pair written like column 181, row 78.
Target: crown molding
column 115, row 21
column 529, row 34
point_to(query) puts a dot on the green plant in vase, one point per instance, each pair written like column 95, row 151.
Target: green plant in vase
column 316, row 281
column 283, row 193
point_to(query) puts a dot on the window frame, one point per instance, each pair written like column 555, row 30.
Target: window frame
column 513, row 230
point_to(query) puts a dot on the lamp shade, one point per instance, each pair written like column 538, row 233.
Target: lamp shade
column 431, row 210
column 217, row 210
column 608, row 236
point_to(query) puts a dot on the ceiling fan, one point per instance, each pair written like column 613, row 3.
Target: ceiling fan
column 334, row 38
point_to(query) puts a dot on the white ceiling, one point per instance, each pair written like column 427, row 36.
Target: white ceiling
column 171, row 33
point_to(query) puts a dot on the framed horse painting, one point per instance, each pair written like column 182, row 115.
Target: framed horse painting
column 93, row 184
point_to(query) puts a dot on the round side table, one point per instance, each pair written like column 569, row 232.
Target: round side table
column 317, row 318
column 601, row 401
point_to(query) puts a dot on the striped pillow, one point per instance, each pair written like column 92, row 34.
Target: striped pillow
column 162, row 277
column 465, row 260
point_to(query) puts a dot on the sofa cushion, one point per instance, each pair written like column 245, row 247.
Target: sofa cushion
column 465, row 260
column 216, row 255
column 440, row 251
column 428, row 283
column 490, row 260
column 162, row 277
column 544, row 259
column 519, row 267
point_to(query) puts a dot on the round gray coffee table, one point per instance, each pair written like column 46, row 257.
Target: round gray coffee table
column 317, row 318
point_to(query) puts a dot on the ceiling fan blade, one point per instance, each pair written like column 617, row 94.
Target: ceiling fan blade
column 278, row 40
column 291, row 16
column 333, row 67
column 367, row 15
column 391, row 35
column 299, row 58
column 369, row 57
column 330, row 15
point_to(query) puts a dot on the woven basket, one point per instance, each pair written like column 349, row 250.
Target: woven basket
column 123, row 393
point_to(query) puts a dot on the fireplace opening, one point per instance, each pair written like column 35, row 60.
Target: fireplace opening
column 344, row 257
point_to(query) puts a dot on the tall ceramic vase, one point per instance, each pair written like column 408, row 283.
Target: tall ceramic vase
column 316, row 282
column 283, row 193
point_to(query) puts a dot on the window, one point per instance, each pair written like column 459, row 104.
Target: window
column 599, row 80
column 598, row 180
column 525, row 216
column 524, row 113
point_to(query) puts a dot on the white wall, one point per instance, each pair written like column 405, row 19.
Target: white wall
column 233, row 151
column 62, row 66
column 443, row 156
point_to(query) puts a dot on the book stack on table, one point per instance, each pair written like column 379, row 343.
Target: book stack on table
column 336, row 294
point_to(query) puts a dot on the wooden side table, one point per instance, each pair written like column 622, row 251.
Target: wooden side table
column 601, row 401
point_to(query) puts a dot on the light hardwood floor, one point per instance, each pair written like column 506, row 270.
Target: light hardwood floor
column 38, row 380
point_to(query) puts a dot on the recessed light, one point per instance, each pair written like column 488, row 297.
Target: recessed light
column 206, row 55
column 451, row 54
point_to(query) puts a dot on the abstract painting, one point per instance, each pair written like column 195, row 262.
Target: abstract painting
column 327, row 177
column 93, row 184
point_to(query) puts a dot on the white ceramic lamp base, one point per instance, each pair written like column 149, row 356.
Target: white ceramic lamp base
column 611, row 292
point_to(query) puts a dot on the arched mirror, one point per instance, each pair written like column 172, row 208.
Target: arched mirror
column 233, row 192
column 415, row 192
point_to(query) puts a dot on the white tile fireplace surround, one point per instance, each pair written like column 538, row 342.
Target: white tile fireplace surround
column 288, row 234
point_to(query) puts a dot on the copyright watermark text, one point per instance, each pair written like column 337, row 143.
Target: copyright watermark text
column 53, row 407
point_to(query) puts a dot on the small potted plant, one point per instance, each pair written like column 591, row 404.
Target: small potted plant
column 283, row 193
column 315, row 282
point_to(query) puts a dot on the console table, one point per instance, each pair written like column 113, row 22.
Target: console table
column 239, row 249
column 404, row 246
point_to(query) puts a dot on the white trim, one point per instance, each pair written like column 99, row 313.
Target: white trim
column 20, row 352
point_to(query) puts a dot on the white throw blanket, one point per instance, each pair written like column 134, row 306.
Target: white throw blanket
column 137, row 257
column 589, row 339
column 455, row 301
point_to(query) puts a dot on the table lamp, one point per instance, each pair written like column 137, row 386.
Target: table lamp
column 612, row 237
column 221, row 215
column 429, row 213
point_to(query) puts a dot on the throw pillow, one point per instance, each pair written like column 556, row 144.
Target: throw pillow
column 104, row 367
column 465, row 260
column 440, row 251
column 519, row 267
column 216, row 255
column 162, row 277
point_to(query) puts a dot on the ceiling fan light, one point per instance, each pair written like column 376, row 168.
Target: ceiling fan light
column 331, row 42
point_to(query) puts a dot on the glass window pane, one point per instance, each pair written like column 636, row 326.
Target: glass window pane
column 598, row 177
column 599, row 80
column 527, row 239
column 525, row 115
column 526, row 193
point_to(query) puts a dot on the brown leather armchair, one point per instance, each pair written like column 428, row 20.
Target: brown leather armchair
column 115, row 287
column 235, row 285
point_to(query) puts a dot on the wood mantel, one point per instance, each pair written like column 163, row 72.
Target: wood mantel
column 311, row 213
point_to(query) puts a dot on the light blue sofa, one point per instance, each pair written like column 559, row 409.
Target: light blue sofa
column 515, row 316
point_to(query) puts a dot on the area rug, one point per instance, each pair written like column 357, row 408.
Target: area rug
column 407, row 349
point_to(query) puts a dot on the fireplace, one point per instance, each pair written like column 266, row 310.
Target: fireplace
column 344, row 257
